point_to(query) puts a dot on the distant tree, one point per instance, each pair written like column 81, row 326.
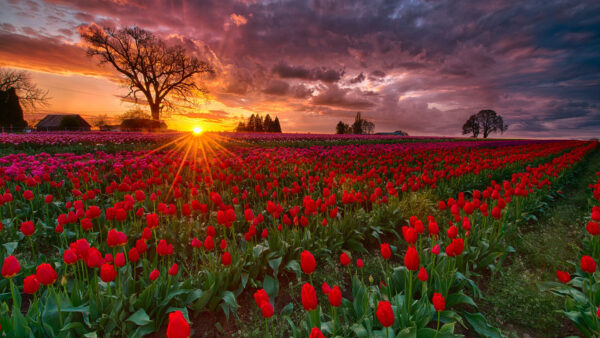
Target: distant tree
column 163, row 73
column 276, row 125
column 251, row 123
column 471, row 126
column 268, row 124
column 30, row 96
column 341, row 128
column 241, row 127
column 101, row 120
column 368, row 127
column 258, row 124
column 134, row 113
column 357, row 126
column 486, row 121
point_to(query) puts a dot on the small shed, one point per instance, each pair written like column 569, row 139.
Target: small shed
column 56, row 122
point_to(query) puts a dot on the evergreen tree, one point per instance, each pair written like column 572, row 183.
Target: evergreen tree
column 251, row 123
column 268, row 124
column 276, row 126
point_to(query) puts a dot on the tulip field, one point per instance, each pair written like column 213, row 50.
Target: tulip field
column 291, row 235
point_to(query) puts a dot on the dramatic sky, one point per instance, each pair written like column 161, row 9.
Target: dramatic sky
column 419, row 66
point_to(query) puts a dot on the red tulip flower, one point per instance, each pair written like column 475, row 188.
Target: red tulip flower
column 70, row 256
column 309, row 297
column 335, row 296
column 588, row 264
column 108, row 273
column 27, row 228
column 226, row 258
column 307, row 262
column 46, row 274
column 345, row 259
column 154, row 274
column 174, row 269
column 120, row 259
column 423, row 275
column 11, row 267
column 563, row 276
column 359, row 263
column 133, row 255
column 31, row 284
column 267, row 309
column 386, row 252
column 411, row 259
column 593, row 228
column 385, row 313
column 438, row 302
column 178, row 326
column 316, row 333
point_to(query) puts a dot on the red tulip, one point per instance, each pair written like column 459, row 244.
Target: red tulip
column 178, row 326
column 226, row 258
column 423, row 275
column 438, row 302
column 309, row 297
column 563, row 276
column 411, row 259
column 335, row 296
column 46, row 274
column 154, row 274
column 588, row 264
column 316, row 333
column 452, row 232
column 31, row 284
column 359, row 263
column 325, row 288
column 386, row 252
column 11, row 267
column 70, row 256
column 267, row 309
column 48, row 199
column 593, row 228
column 93, row 259
column 174, row 269
column 345, row 259
column 385, row 313
column 27, row 228
column 107, row 273
column 133, row 255
column 307, row 262
column 28, row 195
column 120, row 259
column 260, row 296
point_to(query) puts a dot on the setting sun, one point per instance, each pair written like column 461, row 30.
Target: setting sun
column 197, row 130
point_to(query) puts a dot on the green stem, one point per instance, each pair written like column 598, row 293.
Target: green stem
column 437, row 329
column 57, row 305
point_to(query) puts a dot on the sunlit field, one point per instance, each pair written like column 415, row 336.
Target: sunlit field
column 296, row 235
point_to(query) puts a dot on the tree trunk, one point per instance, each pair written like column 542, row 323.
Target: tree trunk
column 155, row 110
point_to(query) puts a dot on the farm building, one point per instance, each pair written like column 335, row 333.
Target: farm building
column 57, row 122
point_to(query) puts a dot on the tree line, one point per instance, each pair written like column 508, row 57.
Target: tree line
column 256, row 123
column 360, row 126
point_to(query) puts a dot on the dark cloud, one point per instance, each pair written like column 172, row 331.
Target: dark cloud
column 314, row 74
column 277, row 87
column 335, row 96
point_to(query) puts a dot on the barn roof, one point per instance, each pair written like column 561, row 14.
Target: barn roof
column 54, row 120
